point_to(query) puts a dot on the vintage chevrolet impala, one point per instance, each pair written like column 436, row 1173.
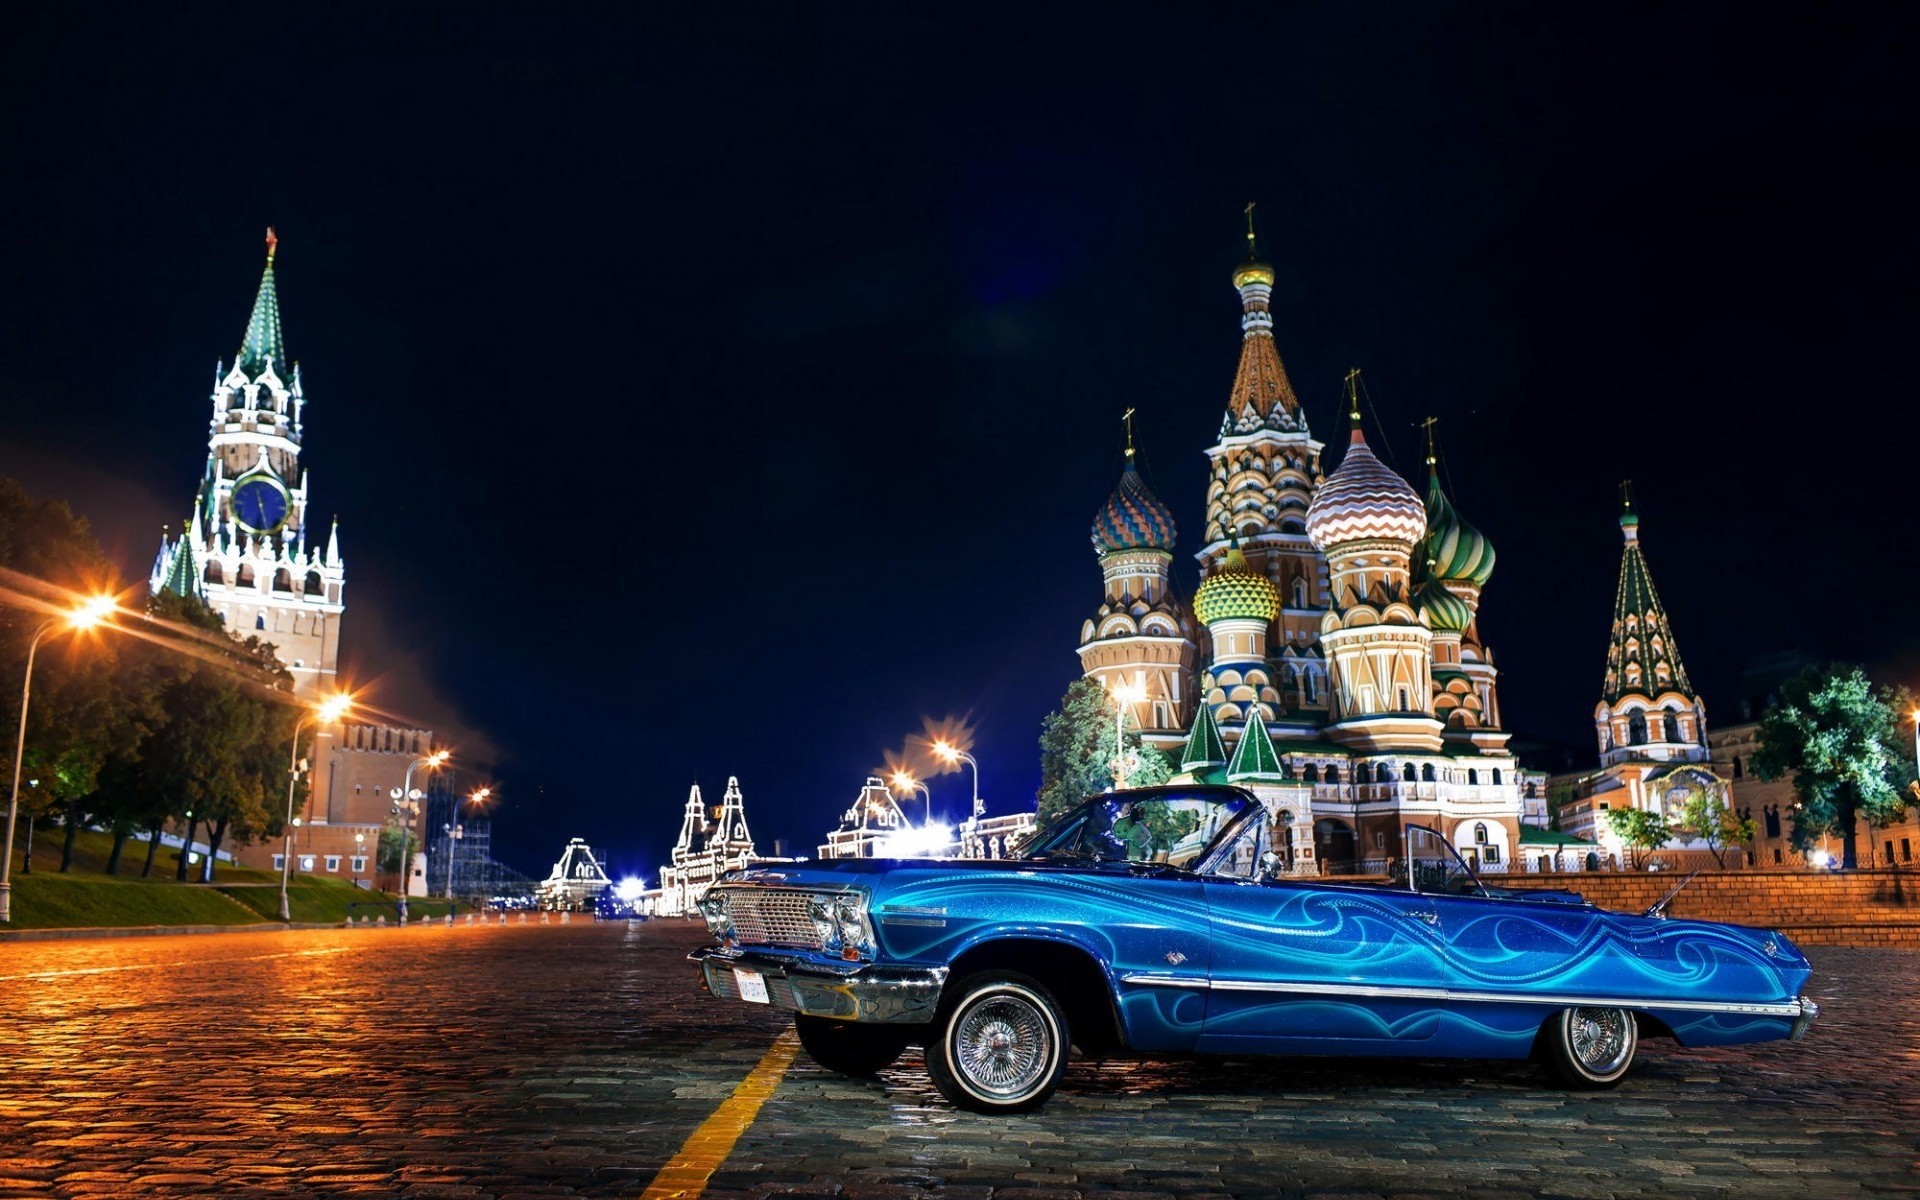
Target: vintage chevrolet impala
column 1148, row 922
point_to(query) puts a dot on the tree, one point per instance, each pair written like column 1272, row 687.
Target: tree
column 1707, row 816
column 1841, row 742
column 1077, row 751
column 1641, row 829
column 47, row 557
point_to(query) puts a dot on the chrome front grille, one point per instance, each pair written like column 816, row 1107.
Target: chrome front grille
column 772, row 917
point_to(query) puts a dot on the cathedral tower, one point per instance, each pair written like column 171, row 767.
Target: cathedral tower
column 1264, row 468
column 1368, row 522
column 248, row 548
column 1648, row 710
column 1141, row 641
column 1455, row 562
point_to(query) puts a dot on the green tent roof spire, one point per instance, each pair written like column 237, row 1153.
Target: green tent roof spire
column 263, row 339
column 183, row 578
column 1642, row 657
column 1255, row 759
column 1204, row 745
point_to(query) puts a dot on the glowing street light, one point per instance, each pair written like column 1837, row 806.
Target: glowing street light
column 907, row 783
column 327, row 712
column 1124, row 695
column 87, row 615
column 455, row 833
column 948, row 752
column 407, row 797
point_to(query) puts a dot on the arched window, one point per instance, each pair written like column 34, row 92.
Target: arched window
column 260, row 621
column 1383, row 774
column 1637, row 729
column 1479, row 833
column 1410, row 774
column 1310, row 687
column 1473, row 776
column 314, row 584
column 1333, row 774
column 1426, row 772
column 212, row 574
column 1736, row 766
column 1312, row 773
column 1496, row 777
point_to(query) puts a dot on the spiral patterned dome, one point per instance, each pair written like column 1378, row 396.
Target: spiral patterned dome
column 1446, row 612
column 1132, row 518
column 1364, row 501
column 1456, row 549
column 1236, row 590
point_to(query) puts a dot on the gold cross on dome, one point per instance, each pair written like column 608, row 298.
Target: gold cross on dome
column 1127, row 417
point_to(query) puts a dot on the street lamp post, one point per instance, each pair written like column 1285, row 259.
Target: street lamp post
column 903, row 780
column 969, row 829
column 327, row 712
column 406, row 821
column 86, row 616
column 455, row 833
column 359, row 854
column 1123, row 695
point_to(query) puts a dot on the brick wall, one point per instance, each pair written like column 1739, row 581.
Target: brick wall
column 1817, row 908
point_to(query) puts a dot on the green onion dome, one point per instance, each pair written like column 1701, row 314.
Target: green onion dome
column 1456, row 549
column 1236, row 590
column 1132, row 518
column 1364, row 501
column 1446, row 612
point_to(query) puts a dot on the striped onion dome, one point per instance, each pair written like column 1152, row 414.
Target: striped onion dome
column 1364, row 501
column 1132, row 518
column 1236, row 590
column 1446, row 612
column 1456, row 549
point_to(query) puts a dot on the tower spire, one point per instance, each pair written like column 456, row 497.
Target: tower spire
column 263, row 342
column 1262, row 396
column 1127, row 416
column 1642, row 656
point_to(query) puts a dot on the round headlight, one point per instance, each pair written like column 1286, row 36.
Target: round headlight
column 820, row 912
column 718, row 911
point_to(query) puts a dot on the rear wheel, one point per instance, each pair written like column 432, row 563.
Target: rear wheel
column 1591, row 1047
column 1000, row 1046
column 849, row 1047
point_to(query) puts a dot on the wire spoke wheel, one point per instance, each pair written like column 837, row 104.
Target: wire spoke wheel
column 1592, row 1047
column 1000, row 1047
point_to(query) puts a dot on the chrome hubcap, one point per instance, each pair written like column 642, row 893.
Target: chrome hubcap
column 1002, row 1046
column 1600, row 1038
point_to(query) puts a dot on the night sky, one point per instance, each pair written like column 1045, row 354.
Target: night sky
column 729, row 390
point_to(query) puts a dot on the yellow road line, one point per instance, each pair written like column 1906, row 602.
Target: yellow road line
column 686, row 1173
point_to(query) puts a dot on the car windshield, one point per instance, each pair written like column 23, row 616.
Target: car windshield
column 1175, row 829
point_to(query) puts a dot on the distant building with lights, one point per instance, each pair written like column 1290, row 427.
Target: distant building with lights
column 875, row 826
column 250, row 549
column 1331, row 659
column 710, row 844
column 576, row 881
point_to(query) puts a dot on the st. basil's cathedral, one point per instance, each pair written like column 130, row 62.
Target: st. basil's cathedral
column 1331, row 659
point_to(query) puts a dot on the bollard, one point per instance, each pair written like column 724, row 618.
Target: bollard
column 469, row 918
column 449, row 920
column 503, row 918
column 566, row 918
column 383, row 920
column 523, row 918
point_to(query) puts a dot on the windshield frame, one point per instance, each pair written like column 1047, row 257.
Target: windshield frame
column 1073, row 836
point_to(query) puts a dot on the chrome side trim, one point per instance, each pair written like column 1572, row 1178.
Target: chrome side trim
column 1791, row 1008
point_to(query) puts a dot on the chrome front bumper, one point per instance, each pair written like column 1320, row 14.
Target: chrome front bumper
column 1808, row 1011
column 853, row 992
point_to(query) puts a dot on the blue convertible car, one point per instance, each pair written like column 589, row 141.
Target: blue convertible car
column 1148, row 921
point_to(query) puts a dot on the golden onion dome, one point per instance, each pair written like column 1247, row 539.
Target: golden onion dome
column 1236, row 590
column 1252, row 271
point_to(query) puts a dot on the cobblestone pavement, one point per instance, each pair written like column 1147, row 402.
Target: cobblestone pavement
column 576, row 1060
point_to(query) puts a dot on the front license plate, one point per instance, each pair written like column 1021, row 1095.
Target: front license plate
column 752, row 985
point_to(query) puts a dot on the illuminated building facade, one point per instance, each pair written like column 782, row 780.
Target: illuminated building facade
column 710, row 845
column 1650, row 723
column 250, row 550
column 1331, row 660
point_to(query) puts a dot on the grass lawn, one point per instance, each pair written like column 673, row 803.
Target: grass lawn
column 87, row 897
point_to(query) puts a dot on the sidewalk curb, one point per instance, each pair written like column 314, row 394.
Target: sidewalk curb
column 121, row 931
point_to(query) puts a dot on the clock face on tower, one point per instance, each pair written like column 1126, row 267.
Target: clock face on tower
column 260, row 504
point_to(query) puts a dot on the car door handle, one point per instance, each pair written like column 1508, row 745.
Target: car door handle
column 1428, row 915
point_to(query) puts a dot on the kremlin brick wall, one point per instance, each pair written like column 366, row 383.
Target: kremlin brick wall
column 1814, row 908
